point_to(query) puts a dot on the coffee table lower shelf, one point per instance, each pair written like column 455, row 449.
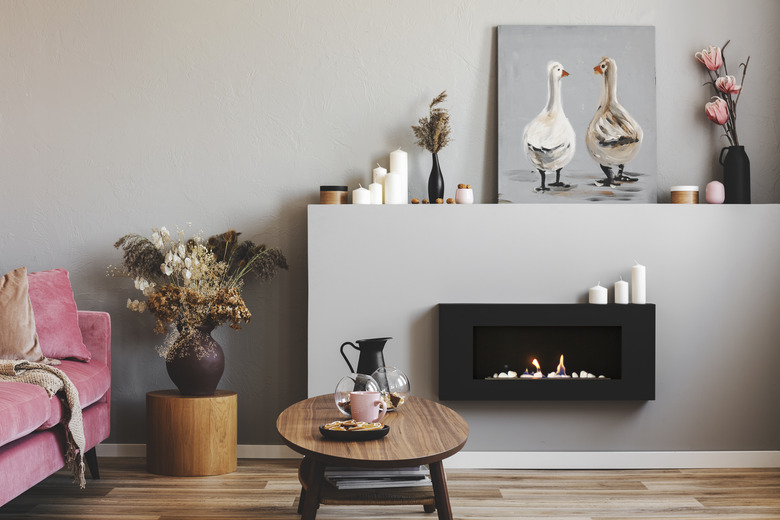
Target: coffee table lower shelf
column 400, row 496
column 330, row 495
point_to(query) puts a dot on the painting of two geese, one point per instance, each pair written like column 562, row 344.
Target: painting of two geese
column 570, row 128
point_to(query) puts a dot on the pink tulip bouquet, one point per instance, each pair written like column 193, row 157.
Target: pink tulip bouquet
column 722, row 108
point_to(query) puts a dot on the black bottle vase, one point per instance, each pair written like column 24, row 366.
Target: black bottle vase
column 435, row 181
column 736, row 175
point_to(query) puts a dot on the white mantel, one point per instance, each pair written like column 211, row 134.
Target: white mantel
column 711, row 271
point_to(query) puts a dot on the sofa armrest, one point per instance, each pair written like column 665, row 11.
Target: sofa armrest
column 96, row 331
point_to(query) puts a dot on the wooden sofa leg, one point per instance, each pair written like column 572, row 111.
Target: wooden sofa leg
column 91, row 458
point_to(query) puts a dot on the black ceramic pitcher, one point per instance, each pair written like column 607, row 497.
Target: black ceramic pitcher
column 371, row 356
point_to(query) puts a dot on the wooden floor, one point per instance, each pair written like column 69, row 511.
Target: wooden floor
column 264, row 489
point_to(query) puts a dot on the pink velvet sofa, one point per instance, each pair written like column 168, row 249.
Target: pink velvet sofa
column 31, row 436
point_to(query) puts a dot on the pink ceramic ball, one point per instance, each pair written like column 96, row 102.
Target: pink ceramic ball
column 715, row 193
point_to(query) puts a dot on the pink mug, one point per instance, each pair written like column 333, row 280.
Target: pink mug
column 367, row 406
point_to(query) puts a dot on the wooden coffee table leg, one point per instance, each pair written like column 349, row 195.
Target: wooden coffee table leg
column 441, row 496
column 311, row 497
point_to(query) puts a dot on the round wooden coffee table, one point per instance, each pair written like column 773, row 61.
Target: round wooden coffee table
column 421, row 432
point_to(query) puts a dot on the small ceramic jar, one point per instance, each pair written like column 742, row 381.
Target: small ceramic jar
column 464, row 196
column 715, row 193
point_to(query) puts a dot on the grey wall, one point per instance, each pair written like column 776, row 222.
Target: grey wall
column 711, row 271
column 118, row 117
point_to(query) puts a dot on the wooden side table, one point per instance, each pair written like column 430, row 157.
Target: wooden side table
column 191, row 436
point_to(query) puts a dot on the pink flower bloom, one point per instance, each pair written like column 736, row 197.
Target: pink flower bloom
column 728, row 84
column 711, row 58
column 717, row 111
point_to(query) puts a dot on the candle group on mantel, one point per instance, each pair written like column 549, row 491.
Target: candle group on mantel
column 598, row 294
column 387, row 187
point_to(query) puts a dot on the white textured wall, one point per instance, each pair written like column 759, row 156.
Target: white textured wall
column 119, row 116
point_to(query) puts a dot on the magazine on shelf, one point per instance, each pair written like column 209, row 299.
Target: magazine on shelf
column 359, row 478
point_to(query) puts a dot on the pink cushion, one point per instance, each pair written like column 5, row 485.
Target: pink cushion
column 56, row 316
column 23, row 408
column 92, row 380
column 18, row 339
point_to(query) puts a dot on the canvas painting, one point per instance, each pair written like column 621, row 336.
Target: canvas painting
column 576, row 114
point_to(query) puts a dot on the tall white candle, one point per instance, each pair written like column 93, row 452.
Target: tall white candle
column 393, row 187
column 597, row 294
column 638, row 280
column 361, row 196
column 379, row 177
column 375, row 190
column 399, row 164
column 621, row 291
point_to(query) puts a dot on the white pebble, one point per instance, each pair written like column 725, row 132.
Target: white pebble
column 512, row 373
column 574, row 375
column 583, row 374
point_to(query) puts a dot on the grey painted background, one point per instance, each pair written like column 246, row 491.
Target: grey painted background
column 711, row 272
column 123, row 116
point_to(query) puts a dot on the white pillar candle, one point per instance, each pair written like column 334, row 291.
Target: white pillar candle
column 394, row 189
column 378, row 176
column 399, row 164
column 597, row 294
column 621, row 291
column 375, row 189
column 361, row 196
column 638, row 279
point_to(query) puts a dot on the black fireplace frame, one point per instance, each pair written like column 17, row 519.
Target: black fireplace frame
column 456, row 351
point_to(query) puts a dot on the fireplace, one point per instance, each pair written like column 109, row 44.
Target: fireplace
column 492, row 351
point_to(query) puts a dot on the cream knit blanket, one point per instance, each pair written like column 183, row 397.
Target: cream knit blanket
column 53, row 380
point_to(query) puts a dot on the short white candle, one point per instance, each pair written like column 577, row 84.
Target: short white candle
column 394, row 189
column 638, row 280
column 621, row 291
column 378, row 176
column 375, row 189
column 361, row 196
column 597, row 294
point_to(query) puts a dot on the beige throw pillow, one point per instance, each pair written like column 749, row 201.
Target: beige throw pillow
column 18, row 339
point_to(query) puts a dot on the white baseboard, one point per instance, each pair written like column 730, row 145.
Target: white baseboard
column 613, row 459
column 531, row 459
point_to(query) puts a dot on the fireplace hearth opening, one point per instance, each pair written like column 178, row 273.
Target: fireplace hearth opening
column 546, row 351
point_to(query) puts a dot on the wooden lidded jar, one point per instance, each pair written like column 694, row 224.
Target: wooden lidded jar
column 333, row 194
column 685, row 194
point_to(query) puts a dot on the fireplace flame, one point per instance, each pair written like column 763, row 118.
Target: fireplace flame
column 561, row 370
column 536, row 364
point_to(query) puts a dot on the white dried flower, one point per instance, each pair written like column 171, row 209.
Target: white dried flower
column 187, row 274
column 188, row 262
column 166, row 235
column 182, row 250
column 166, row 269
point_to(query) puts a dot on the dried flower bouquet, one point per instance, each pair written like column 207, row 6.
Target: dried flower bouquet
column 189, row 283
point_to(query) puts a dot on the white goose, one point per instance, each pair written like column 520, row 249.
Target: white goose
column 549, row 139
column 613, row 137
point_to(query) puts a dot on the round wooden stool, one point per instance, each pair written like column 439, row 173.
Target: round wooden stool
column 191, row 436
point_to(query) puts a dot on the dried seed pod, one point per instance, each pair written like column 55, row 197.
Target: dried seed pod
column 425, row 201
column 415, row 201
column 439, row 201
column 450, row 201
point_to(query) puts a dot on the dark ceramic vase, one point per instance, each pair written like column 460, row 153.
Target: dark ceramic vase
column 736, row 175
column 435, row 181
column 198, row 363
